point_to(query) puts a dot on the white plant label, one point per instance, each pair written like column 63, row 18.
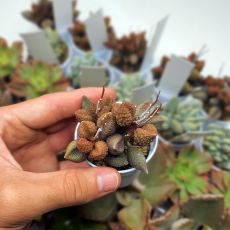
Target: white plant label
column 39, row 47
column 154, row 41
column 63, row 14
column 96, row 31
column 93, row 76
column 142, row 94
column 175, row 75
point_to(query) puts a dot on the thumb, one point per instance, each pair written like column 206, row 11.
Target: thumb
column 70, row 187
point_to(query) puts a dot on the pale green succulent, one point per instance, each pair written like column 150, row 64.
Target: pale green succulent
column 33, row 80
column 59, row 46
column 217, row 145
column 74, row 72
column 180, row 117
column 127, row 84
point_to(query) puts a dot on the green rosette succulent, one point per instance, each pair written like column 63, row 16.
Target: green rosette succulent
column 74, row 72
column 183, row 120
column 189, row 172
column 127, row 84
column 217, row 145
column 58, row 45
column 35, row 79
column 10, row 57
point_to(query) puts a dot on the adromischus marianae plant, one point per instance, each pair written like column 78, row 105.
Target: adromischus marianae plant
column 113, row 134
column 181, row 117
column 129, row 51
column 58, row 45
column 215, row 95
column 189, row 171
column 74, row 70
column 35, row 79
column 41, row 13
column 126, row 85
column 217, row 145
column 10, row 57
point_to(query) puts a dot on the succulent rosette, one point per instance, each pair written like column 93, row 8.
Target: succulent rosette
column 114, row 134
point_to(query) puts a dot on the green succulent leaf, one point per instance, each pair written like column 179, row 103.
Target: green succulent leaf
column 135, row 216
column 205, row 210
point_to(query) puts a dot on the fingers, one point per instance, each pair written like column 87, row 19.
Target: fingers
column 72, row 165
column 29, row 195
column 49, row 109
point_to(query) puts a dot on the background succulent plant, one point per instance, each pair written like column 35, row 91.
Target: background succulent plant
column 74, row 71
column 58, row 45
column 41, row 13
column 194, row 80
column 35, row 79
column 126, row 85
column 10, row 57
column 217, row 145
column 181, row 117
column 128, row 51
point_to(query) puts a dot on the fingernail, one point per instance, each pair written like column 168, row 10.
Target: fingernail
column 108, row 181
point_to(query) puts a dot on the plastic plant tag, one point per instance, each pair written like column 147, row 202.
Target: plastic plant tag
column 93, row 76
column 154, row 41
column 175, row 75
column 142, row 94
column 96, row 31
column 63, row 14
column 39, row 47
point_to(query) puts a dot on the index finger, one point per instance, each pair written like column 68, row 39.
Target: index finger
column 44, row 111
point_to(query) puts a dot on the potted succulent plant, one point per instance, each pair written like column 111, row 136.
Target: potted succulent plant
column 35, row 79
column 87, row 60
column 128, row 52
column 183, row 120
column 217, row 145
column 41, row 13
column 10, row 57
column 118, row 135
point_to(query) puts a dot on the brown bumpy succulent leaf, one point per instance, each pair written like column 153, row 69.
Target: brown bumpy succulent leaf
column 137, row 159
column 84, row 146
column 83, row 115
column 124, row 114
column 205, row 210
column 100, row 151
column 116, row 144
column 73, row 154
column 144, row 136
column 108, row 102
column 107, row 125
column 135, row 216
column 87, row 129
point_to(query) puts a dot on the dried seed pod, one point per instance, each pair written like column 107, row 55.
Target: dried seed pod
column 136, row 159
column 87, row 129
column 125, row 114
column 73, row 154
column 100, row 151
column 151, row 129
column 117, row 161
column 82, row 115
column 107, row 125
column 116, row 144
column 84, row 146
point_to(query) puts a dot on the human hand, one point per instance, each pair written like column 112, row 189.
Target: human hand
column 32, row 181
